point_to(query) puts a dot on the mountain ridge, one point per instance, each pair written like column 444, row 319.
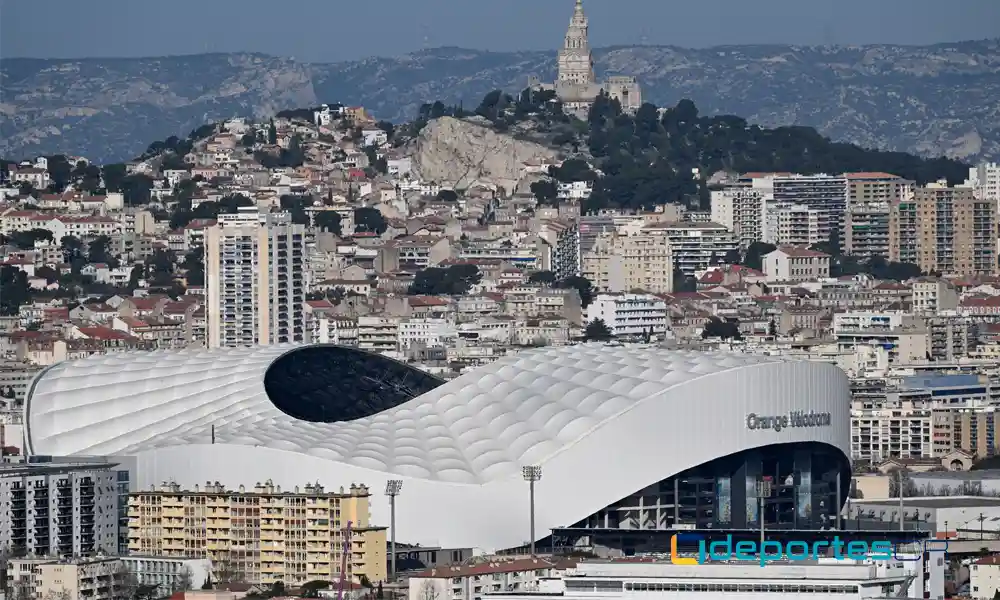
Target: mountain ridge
column 927, row 100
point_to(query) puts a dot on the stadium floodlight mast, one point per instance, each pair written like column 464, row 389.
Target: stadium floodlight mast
column 392, row 489
column 532, row 473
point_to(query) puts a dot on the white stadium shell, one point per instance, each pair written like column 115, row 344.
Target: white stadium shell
column 605, row 423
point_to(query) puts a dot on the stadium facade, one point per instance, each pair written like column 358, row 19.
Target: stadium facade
column 627, row 437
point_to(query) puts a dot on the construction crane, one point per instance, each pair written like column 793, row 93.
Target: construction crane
column 343, row 561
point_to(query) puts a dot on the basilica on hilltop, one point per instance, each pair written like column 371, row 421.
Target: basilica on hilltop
column 576, row 85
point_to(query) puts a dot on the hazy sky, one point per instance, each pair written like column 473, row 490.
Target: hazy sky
column 330, row 30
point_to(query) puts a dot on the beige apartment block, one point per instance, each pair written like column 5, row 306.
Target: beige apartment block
column 866, row 225
column 263, row 535
column 100, row 578
column 945, row 230
column 623, row 263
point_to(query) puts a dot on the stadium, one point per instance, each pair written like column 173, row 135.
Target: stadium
column 627, row 438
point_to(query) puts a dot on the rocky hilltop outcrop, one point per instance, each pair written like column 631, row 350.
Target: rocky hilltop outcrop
column 931, row 100
column 462, row 152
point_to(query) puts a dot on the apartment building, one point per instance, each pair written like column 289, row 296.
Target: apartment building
column 902, row 431
column 477, row 581
column 630, row 315
column 261, row 536
column 951, row 337
column 825, row 194
column 62, row 508
column 904, row 338
column 945, row 230
column 974, row 430
column 741, row 211
column 168, row 574
column 795, row 263
column 984, row 179
column 788, row 224
column 561, row 248
column 618, row 262
column 254, row 275
column 932, row 295
column 866, row 224
column 694, row 246
column 82, row 578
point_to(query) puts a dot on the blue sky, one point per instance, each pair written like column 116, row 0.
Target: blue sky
column 331, row 30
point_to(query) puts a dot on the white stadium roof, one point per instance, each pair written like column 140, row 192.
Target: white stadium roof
column 602, row 421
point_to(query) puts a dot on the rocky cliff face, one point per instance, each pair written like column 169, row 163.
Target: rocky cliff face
column 929, row 100
column 459, row 153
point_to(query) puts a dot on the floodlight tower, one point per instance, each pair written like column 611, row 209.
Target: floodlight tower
column 532, row 473
column 392, row 489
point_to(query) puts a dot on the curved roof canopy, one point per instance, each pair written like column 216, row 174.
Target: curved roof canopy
column 354, row 407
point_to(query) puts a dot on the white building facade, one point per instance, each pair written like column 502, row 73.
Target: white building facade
column 630, row 314
column 255, row 280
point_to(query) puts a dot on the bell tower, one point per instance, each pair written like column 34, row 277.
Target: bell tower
column 576, row 64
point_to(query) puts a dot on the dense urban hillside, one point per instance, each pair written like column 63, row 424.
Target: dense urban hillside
column 931, row 101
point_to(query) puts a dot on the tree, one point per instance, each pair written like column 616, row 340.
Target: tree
column 328, row 220
column 208, row 583
column 370, row 220
column 491, row 105
column 135, row 277
column 447, row 196
column 26, row 240
column 724, row 329
column 909, row 487
column 571, row 170
column 296, row 205
column 50, row 274
column 277, row 589
column 311, row 589
column 582, row 286
column 272, row 133
column 72, row 248
column 97, row 251
column 380, row 595
column 732, row 257
column 772, row 328
column 194, row 267
column 545, row 191
column 598, row 331
column 185, row 580
column 160, row 268
column 684, row 282
column 124, row 583
column 546, row 277
column 754, row 257
column 454, row 280
column 113, row 176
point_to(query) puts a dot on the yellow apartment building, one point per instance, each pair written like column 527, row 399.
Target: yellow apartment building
column 263, row 535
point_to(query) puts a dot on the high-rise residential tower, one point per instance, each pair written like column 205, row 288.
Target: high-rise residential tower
column 254, row 275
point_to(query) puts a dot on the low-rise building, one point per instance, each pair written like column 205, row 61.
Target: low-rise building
column 98, row 578
column 793, row 263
